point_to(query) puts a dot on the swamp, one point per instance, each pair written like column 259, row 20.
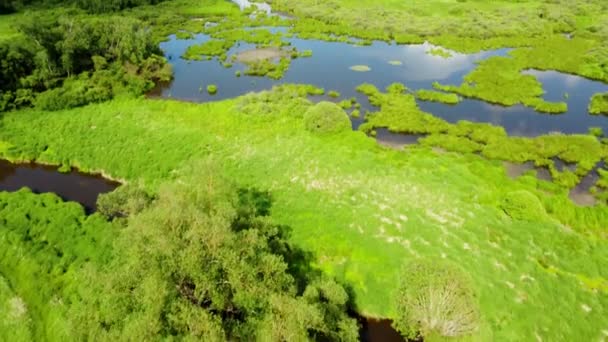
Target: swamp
column 303, row 170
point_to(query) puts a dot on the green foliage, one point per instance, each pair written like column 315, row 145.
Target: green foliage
column 360, row 209
column 72, row 61
column 443, row 53
column 268, row 68
column 436, row 298
column 523, row 205
column 123, row 202
column 599, row 104
column 399, row 112
column 326, row 117
column 436, row 96
column 44, row 244
column 212, row 89
column 205, row 263
column 103, row 6
column 500, row 80
column 15, row 321
column 334, row 94
column 208, row 48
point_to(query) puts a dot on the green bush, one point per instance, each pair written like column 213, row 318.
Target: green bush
column 326, row 117
column 212, row 89
column 125, row 201
column 523, row 205
column 436, row 299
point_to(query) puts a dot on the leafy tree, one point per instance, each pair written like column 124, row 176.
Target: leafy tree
column 205, row 262
column 436, row 300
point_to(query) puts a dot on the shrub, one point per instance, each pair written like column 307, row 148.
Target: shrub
column 523, row 205
column 212, row 89
column 326, row 117
column 126, row 200
column 436, row 298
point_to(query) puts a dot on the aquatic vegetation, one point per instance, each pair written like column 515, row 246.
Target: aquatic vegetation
column 399, row 112
column 326, row 117
column 355, row 114
column 208, row 48
column 396, row 63
column 596, row 131
column 184, row 35
column 437, row 51
column 436, row 299
column 212, row 89
column 436, row 96
column 334, row 94
column 305, row 53
column 345, row 104
column 360, row 68
column 268, row 68
column 500, row 80
column 599, row 104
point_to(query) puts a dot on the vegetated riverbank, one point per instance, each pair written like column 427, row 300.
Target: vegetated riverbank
column 361, row 209
column 70, row 186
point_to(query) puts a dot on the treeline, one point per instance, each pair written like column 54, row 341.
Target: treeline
column 195, row 262
column 92, row 6
column 62, row 62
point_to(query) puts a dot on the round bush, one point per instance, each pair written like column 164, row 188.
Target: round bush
column 436, row 299
column 523, row 205
column 326, row 117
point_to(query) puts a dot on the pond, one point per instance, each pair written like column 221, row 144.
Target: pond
column 71, row 186
column 413, row 65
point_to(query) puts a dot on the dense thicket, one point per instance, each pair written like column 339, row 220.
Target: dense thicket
column 200, row 262
column 93, row 6
column 70, row 61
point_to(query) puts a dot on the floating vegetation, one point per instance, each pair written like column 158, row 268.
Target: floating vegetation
column 599, row 104
column 360, row 68
column 212, row 89
column 209, row 48
column 184, row 35
column 395, row 63
column 500, row 80
column 436, row 96
column 334, row 94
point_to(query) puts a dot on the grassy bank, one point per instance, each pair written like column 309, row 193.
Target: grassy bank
column 361, row 209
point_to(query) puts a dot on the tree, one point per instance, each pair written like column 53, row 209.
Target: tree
column 436, row 299
column 206, row 262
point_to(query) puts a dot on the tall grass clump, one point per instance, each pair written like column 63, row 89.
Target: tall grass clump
column 436, row 300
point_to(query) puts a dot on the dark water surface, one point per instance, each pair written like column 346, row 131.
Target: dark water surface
column 373, row 330
column 329, row 68
column 72, row 186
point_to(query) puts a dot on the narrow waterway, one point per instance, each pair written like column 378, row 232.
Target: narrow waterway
column 71, row 186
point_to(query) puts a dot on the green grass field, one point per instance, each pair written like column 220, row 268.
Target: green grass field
column 362, row 209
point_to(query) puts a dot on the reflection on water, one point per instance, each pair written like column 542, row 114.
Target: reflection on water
column 72, row 186
column 329, row 68
column 261, row 6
